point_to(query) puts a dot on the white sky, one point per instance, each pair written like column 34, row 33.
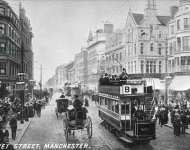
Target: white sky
column 61, row 27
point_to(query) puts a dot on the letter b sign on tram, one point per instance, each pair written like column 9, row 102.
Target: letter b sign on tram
column 126, row 89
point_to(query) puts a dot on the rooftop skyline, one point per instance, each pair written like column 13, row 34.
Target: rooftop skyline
column 61, row 27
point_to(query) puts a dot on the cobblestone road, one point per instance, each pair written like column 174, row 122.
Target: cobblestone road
column 48, row 129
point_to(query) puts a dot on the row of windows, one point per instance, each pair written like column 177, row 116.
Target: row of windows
column 151, row 48
column 9, row 13
column 145, row 66
column 14, row 35
column 114, row 57
column 115, row 69
column 10, row 49
column 184, row 60
column 183, row 43
column 10, row 32
column 109, row 104
column 144, row 35
column 14, row 70
column 180, row 26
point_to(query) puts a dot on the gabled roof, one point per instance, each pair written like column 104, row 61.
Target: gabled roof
column 138, row 18
column 162, row 19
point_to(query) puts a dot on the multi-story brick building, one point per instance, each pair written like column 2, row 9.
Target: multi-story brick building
column 15, row 40
column 10, row 44
column 179, row 46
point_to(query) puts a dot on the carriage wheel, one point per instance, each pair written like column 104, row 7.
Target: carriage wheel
column 57, row 115
column 66, row 134
column 89, row 128
column 66, row 129
column 56, row 112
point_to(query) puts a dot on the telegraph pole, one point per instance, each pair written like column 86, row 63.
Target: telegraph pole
column 41, row 81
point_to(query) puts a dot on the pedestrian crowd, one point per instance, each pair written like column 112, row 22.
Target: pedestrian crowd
column 11, row 111
column 179, row 115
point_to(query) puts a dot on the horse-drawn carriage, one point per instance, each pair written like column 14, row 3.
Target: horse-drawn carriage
column 73, row 119
column 62, row 105
column 77, row 120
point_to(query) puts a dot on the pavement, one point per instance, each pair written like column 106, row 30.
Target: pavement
column 21, row 129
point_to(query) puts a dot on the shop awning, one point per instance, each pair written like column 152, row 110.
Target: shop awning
column 180, row 83
column 155, row 83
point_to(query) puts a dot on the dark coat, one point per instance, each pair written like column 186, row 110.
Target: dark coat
column 77, row 104
column 13, row 122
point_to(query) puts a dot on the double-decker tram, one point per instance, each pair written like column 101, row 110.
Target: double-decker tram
column 124, row 107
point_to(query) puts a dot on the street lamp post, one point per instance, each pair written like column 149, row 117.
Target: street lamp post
column 32, row 83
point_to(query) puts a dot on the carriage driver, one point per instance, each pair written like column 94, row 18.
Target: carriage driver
column 77, row 104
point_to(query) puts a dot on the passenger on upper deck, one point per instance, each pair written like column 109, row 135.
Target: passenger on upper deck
column 123, row 75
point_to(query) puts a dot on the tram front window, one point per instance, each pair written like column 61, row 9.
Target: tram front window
column 125, row 109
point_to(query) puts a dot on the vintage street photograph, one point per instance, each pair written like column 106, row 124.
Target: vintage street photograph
column 94, row 74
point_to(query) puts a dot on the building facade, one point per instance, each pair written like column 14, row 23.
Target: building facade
column 96, row 46
column 179, row 47
column 26, row 44
column 13, row 44
column 179, row 40
column 145, row 38
column 80, row 66
column 115, row 53
column 70, row 72
column 10, row 44
column 60, row 76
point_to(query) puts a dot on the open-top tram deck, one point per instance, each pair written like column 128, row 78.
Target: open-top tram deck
column 125, row 108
